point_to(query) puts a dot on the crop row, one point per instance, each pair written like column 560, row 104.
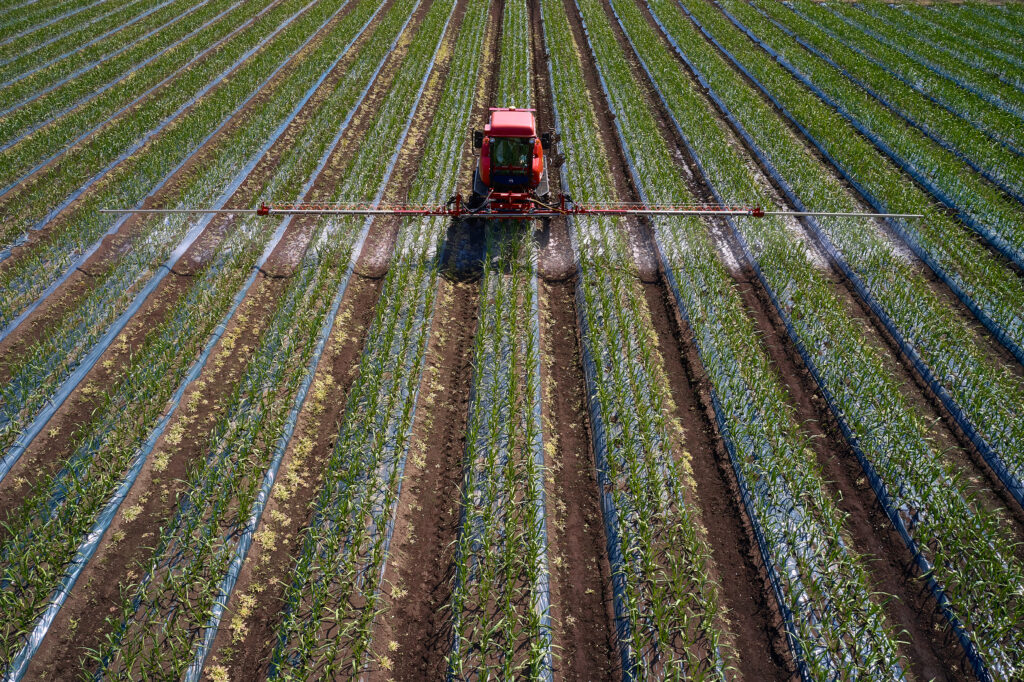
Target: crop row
column 945, row 349
column 72, row 339
column 345, row 548
column 145, row 172
column 927, row 35
column 108, row 452
column 989, row 87
column 667, row 610
column 974, row 147
column 42, row 14
column 23, row 96
column 987, row 288
column 971, row 34
column 500, row 601
column 961, row 547
column 835, row 625
column 116, row 30
column 190, row 577
column 47, row 32
column 979, row 204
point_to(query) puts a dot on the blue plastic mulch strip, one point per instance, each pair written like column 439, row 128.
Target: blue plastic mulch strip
column 992, row 458
column 994, row 239
column 90, row 544
column 995, row 135
column 877, row 485
column 93, row 94
column 884, row 101
column 937, row 69
column 48, row 22
column 609, row 515
column 897, row 226
column 194, row 672
column 137, row 144
column 90, row 359
column 140, row 17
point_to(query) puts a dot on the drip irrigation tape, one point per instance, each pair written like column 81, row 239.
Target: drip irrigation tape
column 247, row 534
column 884, row 101
column 1011, row 481
column 994, row 239
column 155, row 8
column 777, row 588
column 900, row 228
column 953, row 53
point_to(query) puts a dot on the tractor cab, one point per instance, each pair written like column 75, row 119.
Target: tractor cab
column 511, row 168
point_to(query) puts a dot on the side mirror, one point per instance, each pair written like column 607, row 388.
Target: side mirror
column 478, row 138
column 545, row 140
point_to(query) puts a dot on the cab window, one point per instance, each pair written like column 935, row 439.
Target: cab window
column 511, row 152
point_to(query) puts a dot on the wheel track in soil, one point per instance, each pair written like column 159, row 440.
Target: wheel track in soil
column 934, row 652
column 582, row 612
column 111, row 562
column 739, row 568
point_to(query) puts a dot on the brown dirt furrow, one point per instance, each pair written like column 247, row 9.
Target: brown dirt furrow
column 931, row 651
column 582, row 604
column 50, row 448
column 415, row 630
column 245, row 639
column 582, row 609
column 752, row 614
column 127, row 544
column 413, row 635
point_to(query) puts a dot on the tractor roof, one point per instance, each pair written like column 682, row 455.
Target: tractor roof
column 511, row 123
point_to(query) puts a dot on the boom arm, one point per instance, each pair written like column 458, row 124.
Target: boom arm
column 527, row 207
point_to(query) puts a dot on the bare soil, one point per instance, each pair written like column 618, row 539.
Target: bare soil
column 127, row 544
column 244, row 641
column 581, row 585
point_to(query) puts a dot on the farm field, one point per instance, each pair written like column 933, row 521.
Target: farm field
column 237, row 446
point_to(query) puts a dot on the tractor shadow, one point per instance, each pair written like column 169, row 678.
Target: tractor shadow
column 468, row 242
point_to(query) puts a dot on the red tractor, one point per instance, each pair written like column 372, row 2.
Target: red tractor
column 511, row 175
